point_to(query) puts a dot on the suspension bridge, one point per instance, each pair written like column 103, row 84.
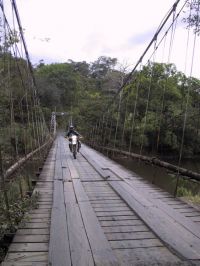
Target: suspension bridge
column 91, row 210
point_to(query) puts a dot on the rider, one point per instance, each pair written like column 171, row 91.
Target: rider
column 73, row 132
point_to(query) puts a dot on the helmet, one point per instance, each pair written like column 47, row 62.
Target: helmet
column 71, row 127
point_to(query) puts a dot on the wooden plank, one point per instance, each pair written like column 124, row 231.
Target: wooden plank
column 58, row 196
column 193, row 214
column 64, row 161
column 100, row 193
column 25, row 257
column 28, row 225
column 101, row 250
column 108, row 204
column 39, row 215
column 112, row 208
column 44, row 206
column 97, row 199
column 38, row 220
column 91, row 190
column 40, row 231
column 106, row 201
column 148, row 256
column 104, row 174
column 69, row 193
column 121, row 222
column 59, row 242
column 118, row 218
column 23, row 263
column 103, row 196
column 58, row 170
column 45, row 199
column 40, row 211
column 79, row 190
column 137, row 243
column 121, row 213
column 164, row 226
column 125, row 229
column 175, row 214
column 30, row 238
column 66, row 174
column 72, row 169
column 29, row 247
column 130, row 235
column 81, row 254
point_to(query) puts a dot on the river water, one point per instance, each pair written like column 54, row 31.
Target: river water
column 160, row 176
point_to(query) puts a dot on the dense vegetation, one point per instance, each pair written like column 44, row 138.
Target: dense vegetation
column 158, row 109
column 84, row 91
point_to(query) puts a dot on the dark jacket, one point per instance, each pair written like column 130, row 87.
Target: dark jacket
column 72, row 132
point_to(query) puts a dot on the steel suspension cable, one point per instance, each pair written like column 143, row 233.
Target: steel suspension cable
column 135, row 108
column 129, row 76
column 187, row 104
column 147, row 105
column 118, row 118
column 166, row 80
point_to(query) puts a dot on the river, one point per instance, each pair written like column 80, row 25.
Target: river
column 160, row 176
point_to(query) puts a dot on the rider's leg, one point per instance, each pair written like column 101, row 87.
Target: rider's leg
column 79, row 145
column 70, row 146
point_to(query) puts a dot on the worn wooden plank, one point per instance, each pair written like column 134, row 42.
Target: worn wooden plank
column 103, row 173
column 64, row 161
column 40, row 211
column 182, row 219
column 26, row 257
column 92, row 190
column 59, row 241
column 81, row 254
column 30, row 238
column 28, row 225
column 108, row 204
column 165, row 227
column 39, row 215
column 72, row 169
column 110, row 213
column 112, row 208
column 136, row 243
column 118, row 218
column 100, row 193
column 23, row 264
column 66, row 174
column 58, row 170
column 69, row 193
column 101, row 250
column 58, row 196
column 125, row 229
column 121, row 223
column 37, row 220
column 130, row 236
column 40, row 231
column 29, row 247
column 97, row 199
column 148, row 257
column 79, row 191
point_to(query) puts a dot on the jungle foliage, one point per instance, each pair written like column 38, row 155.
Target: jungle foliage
column 85, row 90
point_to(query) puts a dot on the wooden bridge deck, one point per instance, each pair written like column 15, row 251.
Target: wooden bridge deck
column 92, row 211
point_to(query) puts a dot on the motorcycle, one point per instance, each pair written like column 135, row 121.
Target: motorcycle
column 74, row 145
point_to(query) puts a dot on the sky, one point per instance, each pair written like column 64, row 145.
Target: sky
column 83, row 30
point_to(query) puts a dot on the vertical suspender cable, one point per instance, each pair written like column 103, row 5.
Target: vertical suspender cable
column 186, row 106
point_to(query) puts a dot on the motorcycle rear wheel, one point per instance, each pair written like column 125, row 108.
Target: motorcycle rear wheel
column 74, row 151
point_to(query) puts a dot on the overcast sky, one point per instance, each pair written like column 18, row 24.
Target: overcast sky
column 83, row 30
